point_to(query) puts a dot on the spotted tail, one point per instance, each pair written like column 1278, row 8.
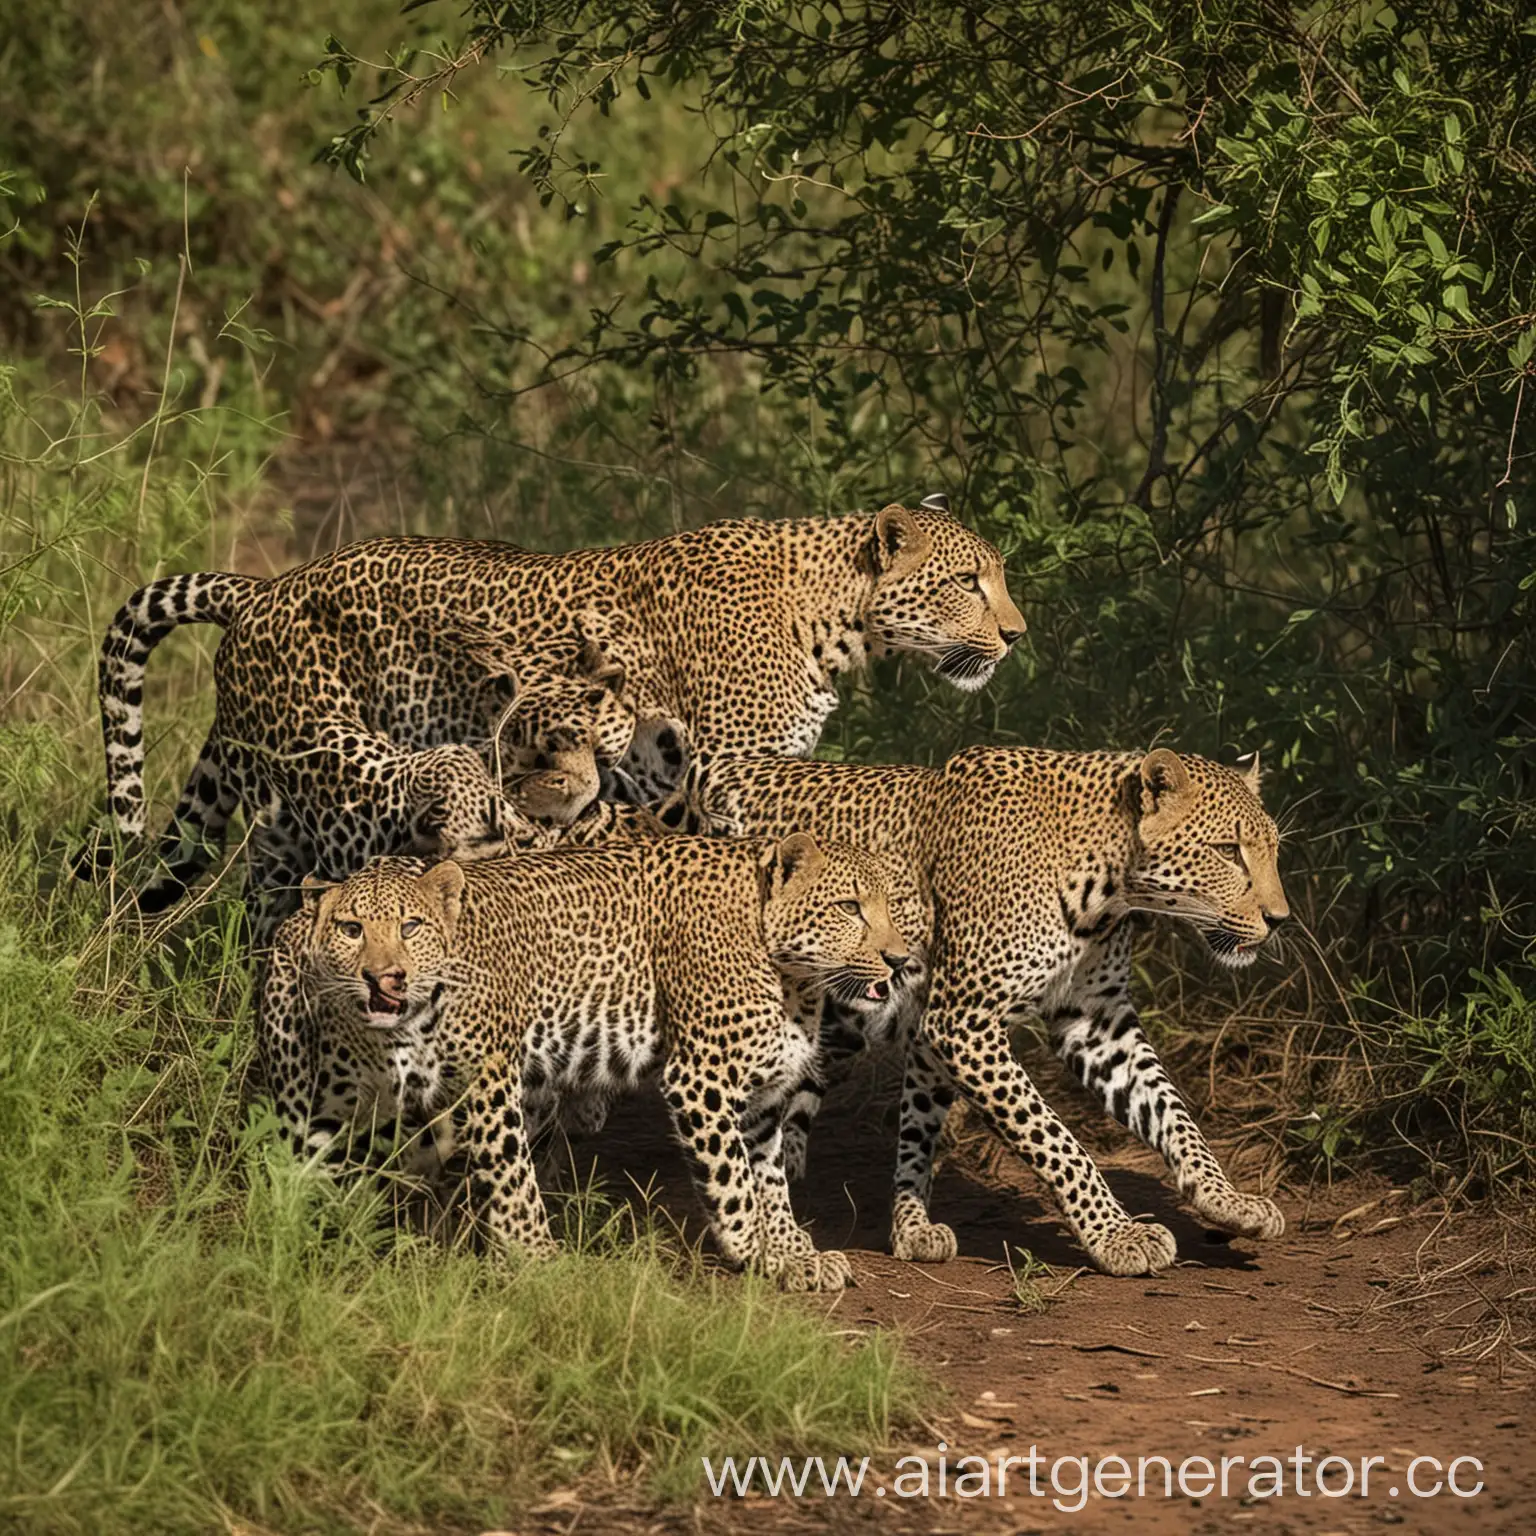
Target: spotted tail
column 212, row 597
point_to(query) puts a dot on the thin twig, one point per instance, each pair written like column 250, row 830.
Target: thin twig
column 165, row 383
column 1514, row 426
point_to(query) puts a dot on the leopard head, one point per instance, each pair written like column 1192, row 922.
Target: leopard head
column 1206, row 850
column 381, row 940
column 940, row 593
column 556, row 740
column 827, row 918
column 457, row 811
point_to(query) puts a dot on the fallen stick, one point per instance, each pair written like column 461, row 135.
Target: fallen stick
column 1291, row 1370
column 1096, row 1349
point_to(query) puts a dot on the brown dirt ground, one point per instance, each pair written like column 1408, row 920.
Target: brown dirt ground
column 1395, row 1332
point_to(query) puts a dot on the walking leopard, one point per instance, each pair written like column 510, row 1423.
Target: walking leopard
column 1031, row 865
column 490, row 992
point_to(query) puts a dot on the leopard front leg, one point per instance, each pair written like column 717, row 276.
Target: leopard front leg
column 972, row 1046
column 503, row 1186
column 1096, row 1032
column 705, row 1119
column 840, row 1039
column 788, row 1251
column 926, row 1097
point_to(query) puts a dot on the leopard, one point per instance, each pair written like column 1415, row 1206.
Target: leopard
column 1033, row 868
column 559, row 743
column 469, row 1001
column 732, row 636
column 542, row 744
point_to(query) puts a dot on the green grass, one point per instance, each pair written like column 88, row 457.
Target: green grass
column 193, row 1327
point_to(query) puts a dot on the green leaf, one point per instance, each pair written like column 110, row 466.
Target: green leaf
column 1437, row 246
column 1213, row 216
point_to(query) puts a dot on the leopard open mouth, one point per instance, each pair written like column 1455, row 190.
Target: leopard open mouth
column 382, row 1006
column 849, row 986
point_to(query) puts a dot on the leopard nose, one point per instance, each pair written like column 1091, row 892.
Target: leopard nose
column 1273, row 920
column 1010, row 636
column 384, row 981
column 897, row 962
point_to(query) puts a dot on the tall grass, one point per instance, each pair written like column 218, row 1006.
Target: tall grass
column 194, row 1329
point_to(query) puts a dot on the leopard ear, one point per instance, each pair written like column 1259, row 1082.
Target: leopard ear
column 443, row 888
column 318, row 899
column 494, row 658
column 901, row 543
column 795, row 860
column 1249, row 764
column 1166, row 792
column 936, row 501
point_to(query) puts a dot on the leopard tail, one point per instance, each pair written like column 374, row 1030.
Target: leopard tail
column 209, row 597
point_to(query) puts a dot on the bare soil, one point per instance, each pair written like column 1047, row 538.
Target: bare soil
column 1372, row 1328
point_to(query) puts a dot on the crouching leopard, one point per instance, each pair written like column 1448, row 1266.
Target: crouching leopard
column 535, row 760
column 475, row 998
column 1030, row 865
column 731, row 638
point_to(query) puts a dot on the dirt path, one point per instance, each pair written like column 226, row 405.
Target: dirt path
column 1328, row 1340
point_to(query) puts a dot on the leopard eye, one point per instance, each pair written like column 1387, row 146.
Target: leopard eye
column 1232, row 851
column 851, row 906
column 409, row 926
column 971, row 581
column 350, row 930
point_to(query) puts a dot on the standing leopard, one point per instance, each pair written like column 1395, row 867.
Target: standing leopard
column 1029, row 866
column 731, row 638
column 474, row 999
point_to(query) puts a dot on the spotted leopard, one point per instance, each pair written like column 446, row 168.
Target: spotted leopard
column 474, row 998
column 731, row 638
column 1031, row 865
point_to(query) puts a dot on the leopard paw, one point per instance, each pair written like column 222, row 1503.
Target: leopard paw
column 825, row 1271
column 1231, row 1210
column 915, row 1238
column 1136, row 1248
column 923, row 1241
